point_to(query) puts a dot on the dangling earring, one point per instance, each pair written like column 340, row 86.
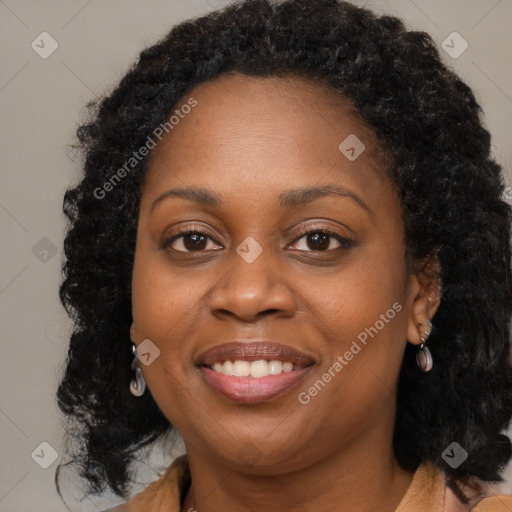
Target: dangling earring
column 423, row 356
column 137, row 384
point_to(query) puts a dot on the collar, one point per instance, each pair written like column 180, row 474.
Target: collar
column 427, row 493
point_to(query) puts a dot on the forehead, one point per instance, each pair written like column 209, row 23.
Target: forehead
column 264, row 133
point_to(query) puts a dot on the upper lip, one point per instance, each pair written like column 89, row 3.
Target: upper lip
column 253, row 351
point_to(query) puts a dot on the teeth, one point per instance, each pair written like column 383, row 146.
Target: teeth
column 242, row 368
column 228, row 368
column 275, row 367
column 259, row 368
column 256, row 369
column 287, row 367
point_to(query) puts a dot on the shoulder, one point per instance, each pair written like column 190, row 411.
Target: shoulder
column 430, row 491
column 482, row 497
column 500, row 503
column 162, row 494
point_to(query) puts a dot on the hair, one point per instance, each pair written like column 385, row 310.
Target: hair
column 428, row 123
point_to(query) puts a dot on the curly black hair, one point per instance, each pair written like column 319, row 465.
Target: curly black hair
column 427, row 122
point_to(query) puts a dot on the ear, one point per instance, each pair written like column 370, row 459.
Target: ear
column 425, row 293
column 133, row 335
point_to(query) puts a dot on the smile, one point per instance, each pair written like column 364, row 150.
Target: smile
column 253, row 372
column 256, row 369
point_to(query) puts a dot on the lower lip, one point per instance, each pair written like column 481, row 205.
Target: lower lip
column 251, row 389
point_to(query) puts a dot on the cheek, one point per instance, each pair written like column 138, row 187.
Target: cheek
column 361, row 312
column 166, row 309
column 366, row 286
column 361, row 358
column 164, row 300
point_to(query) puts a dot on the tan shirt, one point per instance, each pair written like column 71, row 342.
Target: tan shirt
column 427, row 493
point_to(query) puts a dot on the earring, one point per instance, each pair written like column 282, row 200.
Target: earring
column 423, row 356
column 137, row 384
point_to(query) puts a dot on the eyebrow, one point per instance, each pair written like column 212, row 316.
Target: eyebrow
column 287, row 199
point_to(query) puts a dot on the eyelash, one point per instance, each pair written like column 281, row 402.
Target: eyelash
column 345, row 243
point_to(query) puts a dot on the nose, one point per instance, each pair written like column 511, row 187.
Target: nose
column 249, row 291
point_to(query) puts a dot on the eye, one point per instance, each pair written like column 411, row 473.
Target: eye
column 190, row 241
column 321, row 240
column 316, row 240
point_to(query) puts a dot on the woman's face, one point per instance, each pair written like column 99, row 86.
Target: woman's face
column 255, row 165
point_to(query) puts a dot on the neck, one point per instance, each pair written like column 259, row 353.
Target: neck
column 355, row 478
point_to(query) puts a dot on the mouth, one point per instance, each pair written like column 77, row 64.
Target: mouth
column 253, row 372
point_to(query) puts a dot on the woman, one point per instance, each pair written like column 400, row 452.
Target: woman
column 291, row 230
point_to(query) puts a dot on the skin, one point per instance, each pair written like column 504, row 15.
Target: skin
column 248, row 140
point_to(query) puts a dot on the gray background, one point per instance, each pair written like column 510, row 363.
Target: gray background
column 41, row 102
